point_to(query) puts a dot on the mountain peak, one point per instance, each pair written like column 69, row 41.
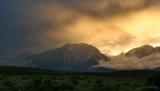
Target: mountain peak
column 79, row 46
column 147, row 46
column 69, row 57
column 142, row 51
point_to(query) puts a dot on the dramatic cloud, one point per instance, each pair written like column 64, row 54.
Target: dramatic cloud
column 113, row 26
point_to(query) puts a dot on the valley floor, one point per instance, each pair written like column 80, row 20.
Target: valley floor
column 78, row 83
column 33, row 79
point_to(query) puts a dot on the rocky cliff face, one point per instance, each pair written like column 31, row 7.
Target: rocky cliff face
column 69, row 57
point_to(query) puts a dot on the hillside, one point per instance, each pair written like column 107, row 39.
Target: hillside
column 71, row 57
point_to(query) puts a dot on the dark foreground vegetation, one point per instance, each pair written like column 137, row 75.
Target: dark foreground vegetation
column 27, row 79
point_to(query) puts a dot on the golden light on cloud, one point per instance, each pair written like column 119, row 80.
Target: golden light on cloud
column 116, row 35
column 100, row 33
column 144, row 26
column 111, row 35
column 143, row 23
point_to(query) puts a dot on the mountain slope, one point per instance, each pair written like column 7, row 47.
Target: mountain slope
column 73, row 57
column 141, row 52
column 141, row 58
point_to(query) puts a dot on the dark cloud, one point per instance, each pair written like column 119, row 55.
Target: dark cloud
column 25, row 23
column 106, row 8
column 17, row 31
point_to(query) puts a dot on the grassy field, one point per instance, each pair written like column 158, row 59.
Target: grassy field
column 30, row 79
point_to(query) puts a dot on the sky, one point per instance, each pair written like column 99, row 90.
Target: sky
column 113, row 26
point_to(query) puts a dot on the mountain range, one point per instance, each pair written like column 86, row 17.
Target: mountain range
column 85, row 57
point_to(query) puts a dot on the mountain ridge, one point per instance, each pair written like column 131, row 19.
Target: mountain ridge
column 79, row 57
column 143, row 51
column 85, row 57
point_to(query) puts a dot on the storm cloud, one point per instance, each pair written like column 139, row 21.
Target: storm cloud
column 34, row 26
